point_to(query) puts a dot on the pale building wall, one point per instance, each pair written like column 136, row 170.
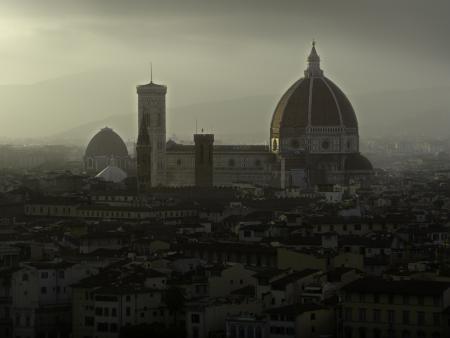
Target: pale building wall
column 232, row 278
column 287, row 258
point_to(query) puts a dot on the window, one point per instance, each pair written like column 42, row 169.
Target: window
column 348, row 314
column 313, row 316
column 376, row 298
column 405, row 300
column 436, row 318
column 362, row 332
column 362, row 315
column 43, row 290
column 347, row 332
column 98, row 311
column 195, row 332
column 274, row 145
column 25, row 277
column 391, row 316
column 89, row 321
column 113, row 327
column 61, row 274
column 376, row 315
column 436, row 301
column 376, row 333
column 420, row 300
column 391, row 299
column 241, row 332
column 128, row 311
column 44, row 275
column 102, row 327
column 406, row 317
column 195, row 318
column 420, row 318
column 290, row 331
column 114, row 312
column 406, row 334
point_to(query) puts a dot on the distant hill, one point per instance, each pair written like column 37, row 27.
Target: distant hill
column 242, row 120
column 73, row 108
column 419, row 112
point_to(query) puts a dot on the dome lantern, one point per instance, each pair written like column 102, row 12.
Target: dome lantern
column 313, row 69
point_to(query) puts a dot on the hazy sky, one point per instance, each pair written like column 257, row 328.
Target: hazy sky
column 208, row 50
column 45, row 39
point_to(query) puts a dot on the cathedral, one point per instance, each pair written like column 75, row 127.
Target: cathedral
column 314, row 140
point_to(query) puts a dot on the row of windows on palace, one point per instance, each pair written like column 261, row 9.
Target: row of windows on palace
column 230, row 163
column 391, row 299
column 389, row 316
column 48, row 210
column 44, row 275
column 362, row 332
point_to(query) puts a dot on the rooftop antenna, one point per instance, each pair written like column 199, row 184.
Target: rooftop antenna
column 151, row 72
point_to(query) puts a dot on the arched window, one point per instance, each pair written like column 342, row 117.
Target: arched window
column 274, row 145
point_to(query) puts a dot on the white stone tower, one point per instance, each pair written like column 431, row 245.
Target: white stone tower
column 152, row 112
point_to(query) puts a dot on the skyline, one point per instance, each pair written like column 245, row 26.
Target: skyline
column 87, row 57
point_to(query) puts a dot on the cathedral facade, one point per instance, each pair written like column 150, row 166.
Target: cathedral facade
column 314, row 139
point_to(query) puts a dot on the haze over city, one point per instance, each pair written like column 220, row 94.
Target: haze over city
column 224, row 169
column 70, row 68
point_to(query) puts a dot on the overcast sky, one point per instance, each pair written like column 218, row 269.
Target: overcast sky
column 208, row 50
column 404, row 38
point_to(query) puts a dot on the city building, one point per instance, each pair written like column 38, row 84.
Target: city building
column 314, row 139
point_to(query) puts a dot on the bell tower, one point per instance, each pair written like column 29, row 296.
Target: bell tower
column 204, row 162
column 143, row 158
column 152, row 116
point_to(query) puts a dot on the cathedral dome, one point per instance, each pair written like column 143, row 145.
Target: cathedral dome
column 313, row 101
column 357, row 162
column 106, row 143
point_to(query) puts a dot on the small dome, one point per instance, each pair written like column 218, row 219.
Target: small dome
column 112, row 174
column 106, row 143
column 357, row 162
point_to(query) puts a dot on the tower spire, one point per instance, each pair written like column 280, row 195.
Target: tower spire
column 313, row 69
